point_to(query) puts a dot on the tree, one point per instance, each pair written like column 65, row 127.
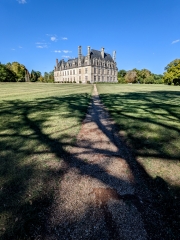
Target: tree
column 19, row 69
column 131, row 76
column 6, row 75
column 34, row 76
column 172, row 74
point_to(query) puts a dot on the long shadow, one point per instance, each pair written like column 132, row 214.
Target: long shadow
column 124, row 108
column 156, row 213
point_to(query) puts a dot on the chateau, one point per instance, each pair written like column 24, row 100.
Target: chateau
column 96, row 66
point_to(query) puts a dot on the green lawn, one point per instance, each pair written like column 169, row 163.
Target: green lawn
column 38, row 123
column 148, row 119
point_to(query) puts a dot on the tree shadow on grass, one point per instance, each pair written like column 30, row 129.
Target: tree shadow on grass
column 27, row 185
column 28, row 215
column 149, row 123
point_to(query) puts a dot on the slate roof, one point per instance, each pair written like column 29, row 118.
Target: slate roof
column 97, row 54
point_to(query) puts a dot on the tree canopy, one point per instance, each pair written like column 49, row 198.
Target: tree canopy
column 139, row 76
column 19, row 70
column 172, row 74
column 6, row 75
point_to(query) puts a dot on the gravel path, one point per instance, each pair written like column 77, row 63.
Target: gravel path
column 102, row 194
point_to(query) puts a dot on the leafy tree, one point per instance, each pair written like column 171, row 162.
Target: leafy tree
column 49, row 77
column 172, row 74
column 6, row 75
column 121, row 73
column 19, row 69
column 33, row 76
column 131, row 76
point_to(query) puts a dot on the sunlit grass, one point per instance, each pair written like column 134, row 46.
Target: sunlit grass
column 148, row 118
column 38, row 124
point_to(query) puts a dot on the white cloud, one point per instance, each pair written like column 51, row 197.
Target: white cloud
column 13, row 49
column 54, row 39
column 64, row 38
column 66, row 51
column 66, row 56
column 21, row 1
column 57, row 51
column 41, row 46
column 175, row 41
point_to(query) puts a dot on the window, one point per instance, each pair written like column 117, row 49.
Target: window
column 102, row 71
column 79, row 71
column 70, row 72
column 86, row 70
column 94, row 70
column 108, row 72
column 107, row 78
column 73, row 71
column 99, row 70
column 67, row 72
column 79, row 78
column 99, row 78
column 86, row 77
column 94, row 78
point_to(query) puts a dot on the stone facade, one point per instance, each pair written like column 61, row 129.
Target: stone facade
column 96, row 66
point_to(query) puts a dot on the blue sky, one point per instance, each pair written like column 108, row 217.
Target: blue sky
column 144, row 33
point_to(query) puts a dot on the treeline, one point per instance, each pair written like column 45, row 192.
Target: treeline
column 139, row 76
column 171, row 75
column 16, row 72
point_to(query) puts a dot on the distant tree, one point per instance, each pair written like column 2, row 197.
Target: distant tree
column 19, row 69
column 49, row 77
column 33, row 76
column 158, row 78
column 6, row 75
column 131, row 76
column 41, row 79
column 172, row 74
column 121, row 73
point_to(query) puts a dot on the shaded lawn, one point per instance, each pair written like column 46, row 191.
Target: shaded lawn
column 148, row 119
column 38, row 123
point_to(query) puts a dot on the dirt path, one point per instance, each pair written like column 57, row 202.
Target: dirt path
column 101, row 195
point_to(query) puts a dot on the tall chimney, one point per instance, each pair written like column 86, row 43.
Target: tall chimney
column 114, row 56
column 88, row 50
column 102, row 52
column 56, row 62
column 79, row 52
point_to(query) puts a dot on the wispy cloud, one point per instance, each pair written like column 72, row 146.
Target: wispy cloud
column 66, row 56
column 20, row 47
column 57, row 51
column 64, row 38
column 66, row 51
column 41, row 44
column 13, row 49
column 21, row 1
column 175, row 41
column 54, row 39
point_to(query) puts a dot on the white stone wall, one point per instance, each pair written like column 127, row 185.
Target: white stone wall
column 97, row 73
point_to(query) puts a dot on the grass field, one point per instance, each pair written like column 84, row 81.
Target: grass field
column 38, row 123
column 148, row 118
